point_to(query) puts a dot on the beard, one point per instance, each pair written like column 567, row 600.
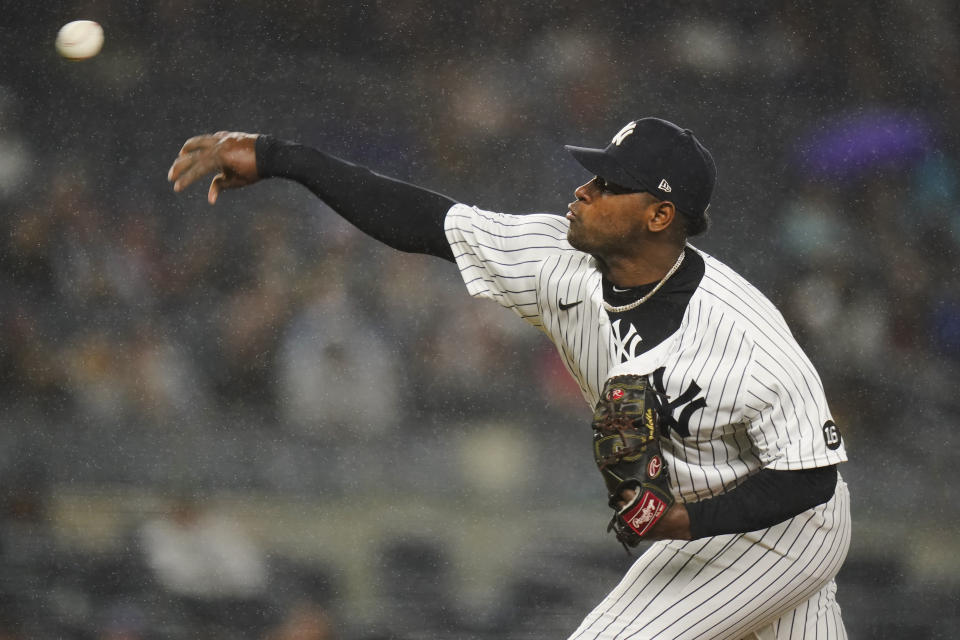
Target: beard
column 576, row 239
column 581, row 240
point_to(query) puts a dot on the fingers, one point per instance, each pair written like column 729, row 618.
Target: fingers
column 625, row 497
column 176, row 169
column 221, row 181
column 218, row 184
column 197, row 157
column 188, row 168
column 199, row 142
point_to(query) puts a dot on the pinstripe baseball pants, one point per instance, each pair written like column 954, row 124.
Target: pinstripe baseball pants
column 772, row 584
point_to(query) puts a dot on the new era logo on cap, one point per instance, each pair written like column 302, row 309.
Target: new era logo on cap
column 664, row 186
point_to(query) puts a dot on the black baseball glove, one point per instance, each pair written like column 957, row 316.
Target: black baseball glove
column 626, row 448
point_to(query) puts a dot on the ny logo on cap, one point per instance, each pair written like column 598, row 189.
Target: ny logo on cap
column 623, row 133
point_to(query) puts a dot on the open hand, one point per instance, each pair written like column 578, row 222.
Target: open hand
column 232, row 155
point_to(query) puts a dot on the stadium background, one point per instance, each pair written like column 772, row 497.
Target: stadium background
column 361, row 450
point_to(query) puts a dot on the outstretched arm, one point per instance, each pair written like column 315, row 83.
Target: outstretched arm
column 401, row 215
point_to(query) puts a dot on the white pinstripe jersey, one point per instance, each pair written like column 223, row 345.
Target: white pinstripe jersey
column 743, row 393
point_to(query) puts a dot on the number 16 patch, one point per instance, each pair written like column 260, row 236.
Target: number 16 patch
column 831, row 434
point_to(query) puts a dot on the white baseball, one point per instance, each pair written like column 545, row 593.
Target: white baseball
column 80, row 39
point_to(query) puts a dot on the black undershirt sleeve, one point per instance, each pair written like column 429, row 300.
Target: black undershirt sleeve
column 761, row 501
column 399, row 214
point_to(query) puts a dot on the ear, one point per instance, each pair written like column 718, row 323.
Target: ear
column 664, row 213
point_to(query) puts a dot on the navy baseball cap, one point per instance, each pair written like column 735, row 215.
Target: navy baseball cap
column 659, row 157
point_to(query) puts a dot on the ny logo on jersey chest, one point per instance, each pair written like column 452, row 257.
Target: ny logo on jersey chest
column 688, row 400
column 626, row 343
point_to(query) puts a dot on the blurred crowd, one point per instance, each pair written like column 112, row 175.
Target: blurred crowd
column 148, row 339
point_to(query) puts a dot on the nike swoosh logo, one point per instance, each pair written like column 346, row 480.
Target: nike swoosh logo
column 568, row 305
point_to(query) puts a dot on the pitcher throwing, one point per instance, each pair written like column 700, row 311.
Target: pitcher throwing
column 712, row 430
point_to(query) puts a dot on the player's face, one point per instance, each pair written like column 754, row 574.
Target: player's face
column 606, row 220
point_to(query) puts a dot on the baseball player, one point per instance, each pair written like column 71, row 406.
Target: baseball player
column 712, row 429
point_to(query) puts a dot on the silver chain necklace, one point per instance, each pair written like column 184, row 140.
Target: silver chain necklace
column 636, row 303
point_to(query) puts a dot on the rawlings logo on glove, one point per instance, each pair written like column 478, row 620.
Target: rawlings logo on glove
column 644, row 513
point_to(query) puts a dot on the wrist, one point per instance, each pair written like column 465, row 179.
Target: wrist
column 674, row 525
column 264, row 152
